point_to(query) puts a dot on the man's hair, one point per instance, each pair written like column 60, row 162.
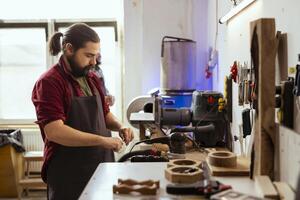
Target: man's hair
column 77, row 35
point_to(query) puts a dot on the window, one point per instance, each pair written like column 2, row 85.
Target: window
column 24, row 57
column 22, row 60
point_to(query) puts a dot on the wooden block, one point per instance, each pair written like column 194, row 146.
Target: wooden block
column 284, row 190
column 241, row 169
column 266, row 187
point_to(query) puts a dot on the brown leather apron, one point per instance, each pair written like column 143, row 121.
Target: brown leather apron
column 71, row 167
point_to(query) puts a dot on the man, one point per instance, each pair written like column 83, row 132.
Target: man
column 72, row 115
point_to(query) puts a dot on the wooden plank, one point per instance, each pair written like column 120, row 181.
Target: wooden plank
column 32, row 182
column 284, row 191
column 242, row 168
column 264, row 137
column 33, row 156
column 283, row 57
column 266, row 187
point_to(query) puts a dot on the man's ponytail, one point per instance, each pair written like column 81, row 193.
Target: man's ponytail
column 55, row 44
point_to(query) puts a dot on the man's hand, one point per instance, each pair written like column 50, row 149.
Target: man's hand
column 113, row 143
column 126, row 134
column 110, row 100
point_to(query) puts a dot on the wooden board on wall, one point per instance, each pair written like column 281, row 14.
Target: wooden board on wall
column 283, row 57
column 264, row 137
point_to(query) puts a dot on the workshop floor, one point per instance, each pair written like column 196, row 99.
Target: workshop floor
column 33, row 195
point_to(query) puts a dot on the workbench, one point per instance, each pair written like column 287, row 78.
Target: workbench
column 107, row 174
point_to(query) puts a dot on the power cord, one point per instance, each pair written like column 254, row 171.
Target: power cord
column 163, row 140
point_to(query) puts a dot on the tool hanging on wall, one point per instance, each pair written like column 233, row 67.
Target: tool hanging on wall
column 285, row 102
column 246, row 91
column 243, row 80
column 208, row 73
column 228, row 96
column 297, row 78
column 241, row 140
column 246, row 122
column 240, row 86
column 240, row 94
column 234, row 71
column 242, row 75
column 244, row 130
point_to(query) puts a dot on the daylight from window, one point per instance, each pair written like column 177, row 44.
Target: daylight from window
column 23, row 51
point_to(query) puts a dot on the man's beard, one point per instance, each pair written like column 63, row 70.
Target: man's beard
column 76, row 70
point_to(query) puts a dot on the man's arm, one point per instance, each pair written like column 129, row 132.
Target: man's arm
column 113, row 124
column 60, row 133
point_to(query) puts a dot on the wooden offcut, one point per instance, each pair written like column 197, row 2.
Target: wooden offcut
column 265, row 187
column 265, row 49
column 284, row 191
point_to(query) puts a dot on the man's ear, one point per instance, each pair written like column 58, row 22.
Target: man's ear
column 69, row 48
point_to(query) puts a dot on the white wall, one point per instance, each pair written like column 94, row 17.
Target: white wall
column 234, row 44
column 145, row 23
column 234, row 39
column 66, row 9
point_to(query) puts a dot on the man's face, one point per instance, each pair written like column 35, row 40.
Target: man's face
column 82, row 60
